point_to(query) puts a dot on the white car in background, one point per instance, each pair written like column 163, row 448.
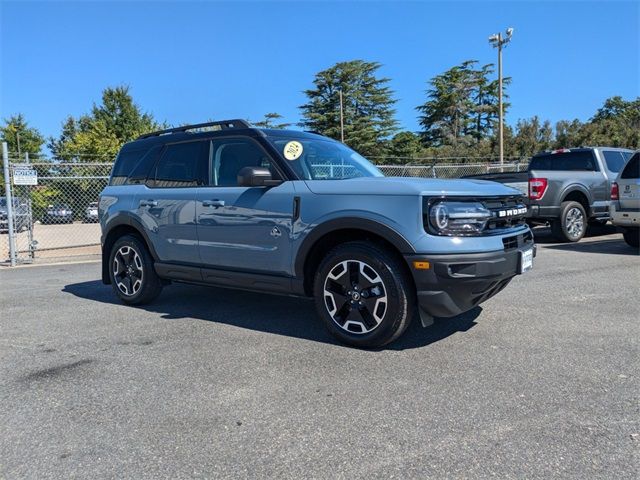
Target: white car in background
column 625, row 201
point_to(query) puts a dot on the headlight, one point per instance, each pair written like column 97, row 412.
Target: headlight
column 458, row 218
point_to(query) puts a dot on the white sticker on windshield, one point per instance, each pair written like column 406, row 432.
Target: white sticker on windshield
column 292, row 150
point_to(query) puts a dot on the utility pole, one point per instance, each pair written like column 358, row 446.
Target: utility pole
column 341, row 118
column 18, row 142
column 497, row 40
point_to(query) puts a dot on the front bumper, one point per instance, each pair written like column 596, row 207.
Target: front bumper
column 454, row 284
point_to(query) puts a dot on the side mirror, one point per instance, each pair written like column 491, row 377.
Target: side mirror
column 256, row 177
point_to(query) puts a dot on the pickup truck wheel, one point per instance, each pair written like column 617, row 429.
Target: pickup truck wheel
column 363, row 295
column 131, row 271
column 631, row 235
column 572, row 224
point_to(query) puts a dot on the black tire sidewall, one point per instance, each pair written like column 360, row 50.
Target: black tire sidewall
column 150, row 282
column 399, row 295
column 631, row 236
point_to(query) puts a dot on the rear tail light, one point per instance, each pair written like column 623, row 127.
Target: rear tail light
column 614, row 191
column 537, row 187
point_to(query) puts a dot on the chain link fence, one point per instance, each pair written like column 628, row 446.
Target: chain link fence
column 58, row 217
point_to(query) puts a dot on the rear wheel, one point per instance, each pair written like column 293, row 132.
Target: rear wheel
column 131, row 271
column 364, row 295
column 632, row 236
column 572, row 224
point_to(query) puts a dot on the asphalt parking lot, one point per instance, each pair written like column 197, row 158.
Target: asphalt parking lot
column 540, row 382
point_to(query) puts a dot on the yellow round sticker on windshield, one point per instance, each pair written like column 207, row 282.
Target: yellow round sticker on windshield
column 292, row 150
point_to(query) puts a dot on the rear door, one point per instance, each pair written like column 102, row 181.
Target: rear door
column 243, row 228
column 166, row 203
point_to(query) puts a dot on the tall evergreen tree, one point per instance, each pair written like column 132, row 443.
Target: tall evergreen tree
column 368, row 113
column 20, row 137
column 100, row 134
column 462, row 106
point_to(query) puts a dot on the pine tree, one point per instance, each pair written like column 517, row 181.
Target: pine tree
column 368, row 113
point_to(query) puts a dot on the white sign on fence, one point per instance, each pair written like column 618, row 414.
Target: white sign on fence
column 25, row 175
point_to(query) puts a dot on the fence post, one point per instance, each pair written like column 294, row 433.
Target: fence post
column 7, row 189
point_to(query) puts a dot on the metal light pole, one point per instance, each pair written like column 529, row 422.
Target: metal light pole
column 497, row 40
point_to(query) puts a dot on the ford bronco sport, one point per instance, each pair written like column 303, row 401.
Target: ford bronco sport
column 299, row 214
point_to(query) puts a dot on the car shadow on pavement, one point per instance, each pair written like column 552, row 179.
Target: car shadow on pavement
column 607, row 247
column 543, row 235
column 280, row 315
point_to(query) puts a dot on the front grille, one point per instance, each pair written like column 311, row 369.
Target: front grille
column 516, row 241
column 508, row 212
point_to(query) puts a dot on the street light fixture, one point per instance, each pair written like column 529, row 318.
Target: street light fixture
column 498, row 41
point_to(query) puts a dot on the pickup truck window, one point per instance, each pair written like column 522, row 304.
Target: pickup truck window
column 615, row 160
column 575, row 161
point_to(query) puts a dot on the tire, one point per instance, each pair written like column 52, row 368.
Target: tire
column 364, row 295
column 572, row 224
column 131, row 271
column 632, row 236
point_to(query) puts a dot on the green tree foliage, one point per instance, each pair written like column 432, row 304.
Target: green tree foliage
column 21, row 138
column 369, row 116
column 403, row 147
column 100, row 134
column 272, row 120
column 531, row 136
column 462, row 106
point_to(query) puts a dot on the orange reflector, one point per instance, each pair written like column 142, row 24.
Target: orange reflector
column 421, row 265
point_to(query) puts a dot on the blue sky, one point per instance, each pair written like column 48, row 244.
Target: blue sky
column 191, row 61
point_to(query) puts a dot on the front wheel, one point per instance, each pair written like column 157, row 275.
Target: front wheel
column 572, row 224
column 364, row 295
column 131, row 271
column 631, row 235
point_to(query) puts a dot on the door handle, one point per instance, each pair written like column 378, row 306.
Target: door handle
column 213, row 203
column 148, row 203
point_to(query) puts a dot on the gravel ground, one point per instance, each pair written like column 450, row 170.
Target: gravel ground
column 540, row 382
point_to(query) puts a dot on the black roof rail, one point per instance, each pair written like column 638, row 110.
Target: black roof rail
column 223, row 124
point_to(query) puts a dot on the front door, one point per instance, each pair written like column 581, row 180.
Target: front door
column 243, row 228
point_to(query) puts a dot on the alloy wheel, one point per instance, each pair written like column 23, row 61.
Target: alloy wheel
column 355, row 296
column 575, row 222
column 127, row 270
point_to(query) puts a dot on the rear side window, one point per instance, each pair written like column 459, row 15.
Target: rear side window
column 141, row 171
column 124, row 164
column 614, row 160
column 182, row 165
column 574, row 161
column 632, row 170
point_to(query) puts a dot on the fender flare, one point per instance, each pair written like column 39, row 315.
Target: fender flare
column 576, row 187
column 357, row 223
column 123, row 219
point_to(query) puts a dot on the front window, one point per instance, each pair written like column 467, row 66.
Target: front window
column 323, row 159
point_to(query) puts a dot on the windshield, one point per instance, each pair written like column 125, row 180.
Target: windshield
column 320, row 159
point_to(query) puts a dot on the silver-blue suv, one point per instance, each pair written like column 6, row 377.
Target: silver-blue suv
column 296, row 213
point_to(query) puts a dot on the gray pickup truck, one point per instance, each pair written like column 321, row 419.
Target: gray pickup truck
column 568, row 188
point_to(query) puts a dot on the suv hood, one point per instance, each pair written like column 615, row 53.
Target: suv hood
column 409, row 186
